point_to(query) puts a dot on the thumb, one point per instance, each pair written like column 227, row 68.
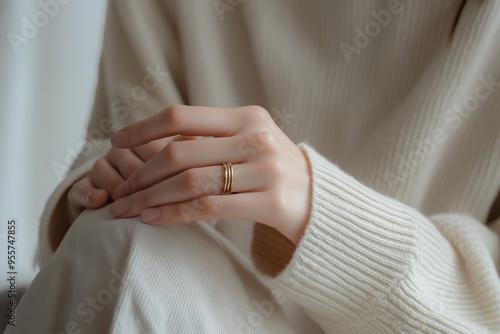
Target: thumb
column 84, row 195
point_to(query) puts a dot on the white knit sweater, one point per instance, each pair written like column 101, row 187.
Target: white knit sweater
column 405, row 125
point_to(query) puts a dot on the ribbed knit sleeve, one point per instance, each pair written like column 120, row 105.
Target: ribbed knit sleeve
column 375, row 265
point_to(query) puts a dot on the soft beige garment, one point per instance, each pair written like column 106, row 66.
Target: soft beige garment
column 405, row 123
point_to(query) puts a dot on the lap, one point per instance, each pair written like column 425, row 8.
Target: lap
column 120, row 276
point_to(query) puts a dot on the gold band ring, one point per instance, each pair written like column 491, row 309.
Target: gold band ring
column 228, row 177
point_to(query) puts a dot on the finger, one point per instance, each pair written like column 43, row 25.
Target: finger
column 104, row 176
column 235, row 206
column 149, row 150
column 190, row 184
column 183, row 138
column 182, row 155
column 125, row 162
column 83, row 194
column 180, row 120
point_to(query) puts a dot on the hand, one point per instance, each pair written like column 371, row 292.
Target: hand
column 184, row 181
column 95, row 188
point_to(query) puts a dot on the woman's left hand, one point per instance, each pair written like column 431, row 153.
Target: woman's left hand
column 184, row 181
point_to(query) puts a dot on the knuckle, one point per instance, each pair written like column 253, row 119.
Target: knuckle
column 274, row 169
column 175, row 114
column 71, row 196
column 267, row 141
column 263, row 141
column 258, row 114
column 211, row 206
column 76, row 192
column 187, row 212
column 212, row 183
column 175, row 151
column 191, row 180
column 265, row 136
column 99, row 165
column 272, row 149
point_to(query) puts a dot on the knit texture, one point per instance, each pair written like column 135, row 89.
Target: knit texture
column 401, row 127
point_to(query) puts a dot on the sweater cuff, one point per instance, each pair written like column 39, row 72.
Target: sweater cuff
column 358, row 244
column 44, row 249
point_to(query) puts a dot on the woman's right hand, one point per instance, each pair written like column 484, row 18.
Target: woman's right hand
column 95, row 189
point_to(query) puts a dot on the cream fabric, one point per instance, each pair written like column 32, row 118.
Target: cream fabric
column 403, row 136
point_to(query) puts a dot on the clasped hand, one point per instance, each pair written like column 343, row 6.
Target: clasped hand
column 183, row 180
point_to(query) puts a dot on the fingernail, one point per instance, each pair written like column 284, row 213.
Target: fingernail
column 93, row 197
column 150, row 215
column 120, row 207
column 119, row 139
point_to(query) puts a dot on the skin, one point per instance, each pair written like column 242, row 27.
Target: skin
column 163, row 163
column 95, row 189
column 183, row 181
